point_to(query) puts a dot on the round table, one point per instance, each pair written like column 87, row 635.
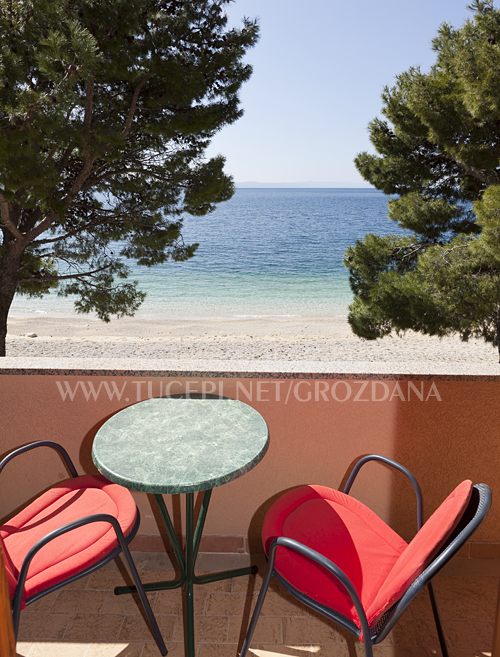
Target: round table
column 181, row 445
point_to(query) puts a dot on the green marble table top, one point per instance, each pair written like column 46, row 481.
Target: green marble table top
column 180, row 445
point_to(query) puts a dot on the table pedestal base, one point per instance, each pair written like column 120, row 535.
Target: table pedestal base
column 186, row 560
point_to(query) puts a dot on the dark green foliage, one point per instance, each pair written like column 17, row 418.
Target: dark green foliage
column 438, row 149
column 106, row 109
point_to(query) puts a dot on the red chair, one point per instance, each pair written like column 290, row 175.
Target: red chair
column 67, row 532
column 338, row 557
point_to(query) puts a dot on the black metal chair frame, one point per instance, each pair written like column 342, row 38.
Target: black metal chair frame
column 123, row 541
column 478, row 507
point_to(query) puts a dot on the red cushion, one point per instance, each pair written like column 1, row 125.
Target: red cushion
column 11, row 578
column 421, row 550
column 344, row 530
column 74, row 551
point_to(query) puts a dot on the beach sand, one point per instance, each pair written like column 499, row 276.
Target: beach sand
column 270, row 338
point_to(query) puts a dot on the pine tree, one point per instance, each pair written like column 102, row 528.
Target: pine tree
column 438, row 150
column 106, row 109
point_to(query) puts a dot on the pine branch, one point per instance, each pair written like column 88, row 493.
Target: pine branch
column 63, row 277
column 488, row 178
column 88, row 161
column 133, row 107
column 88, row 158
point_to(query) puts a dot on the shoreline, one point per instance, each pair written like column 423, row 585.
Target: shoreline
column 275, row 338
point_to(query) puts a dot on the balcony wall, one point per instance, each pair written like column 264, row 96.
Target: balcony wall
column 445, row 427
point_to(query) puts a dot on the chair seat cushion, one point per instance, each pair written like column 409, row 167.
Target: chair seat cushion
column 345, row 531
column 378, row 562
column 78, row 549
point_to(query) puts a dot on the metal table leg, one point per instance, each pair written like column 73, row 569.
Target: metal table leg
column 186, row 561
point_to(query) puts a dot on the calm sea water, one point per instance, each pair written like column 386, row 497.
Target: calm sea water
column 266, row 252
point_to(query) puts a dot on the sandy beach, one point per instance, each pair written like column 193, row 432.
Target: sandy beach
column 258, row 290
column 270, row 338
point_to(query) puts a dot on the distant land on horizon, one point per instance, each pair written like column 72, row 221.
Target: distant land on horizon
column 301, row 185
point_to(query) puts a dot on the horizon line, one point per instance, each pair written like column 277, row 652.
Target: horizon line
column 305, row 184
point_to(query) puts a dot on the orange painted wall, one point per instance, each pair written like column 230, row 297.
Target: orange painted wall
column 315, row 435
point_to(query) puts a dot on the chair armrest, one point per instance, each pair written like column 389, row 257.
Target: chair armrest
column 329, row 566
column 76, row 524
column 396, row 466
column 41, row 443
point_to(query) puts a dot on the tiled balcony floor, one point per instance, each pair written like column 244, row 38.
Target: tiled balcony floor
column 85, row 619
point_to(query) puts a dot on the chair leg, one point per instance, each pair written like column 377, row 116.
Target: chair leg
column 437, row 620
column 144, row 600
column 16, row 612
column 351, row 646
column 257, row 610
column 368, row 647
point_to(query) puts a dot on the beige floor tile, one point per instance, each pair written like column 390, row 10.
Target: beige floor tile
column 94, row 627
column 79, row 602
column 209, row 562
column 42, row 606
column 467, row 598
column 208, row 629
column 92, row 622
column 43, row 627
column 79, row 584
column 217, row 650
column 170, row 602
column 410, row 632
column 116, row 649
column 107, row 577
column 23, row 648
column 98, row 602
column 126, row 604
column 156, row 575
column 395, row 651
column 464, row 643
column 269, row 630
column 223, row 603
column 283, row 604
column 305, row 650
column 299, row 631
column 134, row 628
column 420, row 607
column 152, row 565
column 152, row 559
column 59, row 649
column 242, row 584
column 175, row 649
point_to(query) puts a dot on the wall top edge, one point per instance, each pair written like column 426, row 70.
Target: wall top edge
column 140, row 367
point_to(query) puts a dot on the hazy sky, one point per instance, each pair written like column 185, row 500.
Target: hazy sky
column 319, row 69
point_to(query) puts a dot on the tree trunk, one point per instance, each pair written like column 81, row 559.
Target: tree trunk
column 3, row 331
column 9, row 273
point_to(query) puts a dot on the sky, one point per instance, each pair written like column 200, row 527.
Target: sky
column 319, row 69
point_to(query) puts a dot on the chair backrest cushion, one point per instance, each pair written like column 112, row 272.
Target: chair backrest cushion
column 421, row 550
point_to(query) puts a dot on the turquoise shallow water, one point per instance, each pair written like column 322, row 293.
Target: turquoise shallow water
column 266, row 252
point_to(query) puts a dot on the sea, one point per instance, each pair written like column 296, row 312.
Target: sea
column 267, row 252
